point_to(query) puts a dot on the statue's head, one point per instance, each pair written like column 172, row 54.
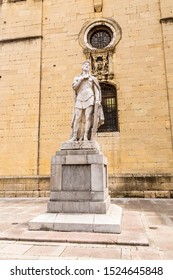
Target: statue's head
column 86, row 65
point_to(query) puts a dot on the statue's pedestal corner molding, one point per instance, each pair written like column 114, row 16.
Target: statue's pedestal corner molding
column 98, row 6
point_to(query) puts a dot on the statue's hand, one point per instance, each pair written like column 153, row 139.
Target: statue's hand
column 86, row 76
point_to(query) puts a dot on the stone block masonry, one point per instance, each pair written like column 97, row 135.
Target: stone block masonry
column 141, row 185
column 120, row 185
column 40, row 54
column 25, row 186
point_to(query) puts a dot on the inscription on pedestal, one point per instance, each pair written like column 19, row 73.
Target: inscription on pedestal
column 76, row 177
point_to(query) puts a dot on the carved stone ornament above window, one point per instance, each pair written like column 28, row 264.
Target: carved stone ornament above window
column 98, row 5
column 98, row 40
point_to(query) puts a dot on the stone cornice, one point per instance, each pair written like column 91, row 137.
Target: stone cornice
column 166, row 20
column 18, row 39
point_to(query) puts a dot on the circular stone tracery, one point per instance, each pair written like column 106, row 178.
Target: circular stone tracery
column 101, row 34
column 100, row 38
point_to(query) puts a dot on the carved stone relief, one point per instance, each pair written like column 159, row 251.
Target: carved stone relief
column 98, row 5
column 98, row 40
column 100, row 65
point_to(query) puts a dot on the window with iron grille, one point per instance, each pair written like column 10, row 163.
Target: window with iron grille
column 109, row 103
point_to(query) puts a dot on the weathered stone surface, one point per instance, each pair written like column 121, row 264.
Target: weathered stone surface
column 99, row 207
column 112, row 222
column 98, row 177
column 54, row 207
column 76, row 159
column 78, row 152
column 39, row 222
column 77, row 222
column 70, row 195
column 97, row 159
column 163, row 194
column 78, row 195
column 31, row 186
column 79, row 182
column 56, row 177
column 58, row 159
column 140, row 185
column 98, row 5
column 76, row 177
column 75, row 207
column 87, row 206
column 80, row 145
column 107, row 223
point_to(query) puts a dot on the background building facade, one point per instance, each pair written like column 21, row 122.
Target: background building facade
column 130, row 46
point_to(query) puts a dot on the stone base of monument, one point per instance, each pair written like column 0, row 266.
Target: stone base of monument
column 102, row 223
column 79, row 199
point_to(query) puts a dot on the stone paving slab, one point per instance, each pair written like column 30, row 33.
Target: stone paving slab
column 147, row 233
column 45, row 250
column 105, row 253
column 132, row 236
column 75, row 237
column 15, row 249
column 65, row 251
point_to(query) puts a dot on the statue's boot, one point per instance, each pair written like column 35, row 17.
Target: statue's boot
column 74, row 137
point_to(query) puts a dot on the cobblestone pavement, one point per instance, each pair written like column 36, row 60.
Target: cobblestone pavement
column 147, row 233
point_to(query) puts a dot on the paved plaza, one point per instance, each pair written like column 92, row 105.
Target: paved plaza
column 147, row 233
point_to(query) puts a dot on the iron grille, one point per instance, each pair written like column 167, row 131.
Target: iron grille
column 109, row 103
column 100, row 39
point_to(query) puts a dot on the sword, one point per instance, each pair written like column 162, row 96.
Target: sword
column 95, row 122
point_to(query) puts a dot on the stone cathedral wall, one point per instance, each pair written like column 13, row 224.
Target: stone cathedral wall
column 40, row 54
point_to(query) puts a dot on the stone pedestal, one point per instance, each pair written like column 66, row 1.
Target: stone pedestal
column 79, row 199
column 79, row 180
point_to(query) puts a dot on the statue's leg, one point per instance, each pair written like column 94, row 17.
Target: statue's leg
column 88, row 115
column 78, row 115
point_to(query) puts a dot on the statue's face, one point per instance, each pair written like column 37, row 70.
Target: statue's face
column 86, row 67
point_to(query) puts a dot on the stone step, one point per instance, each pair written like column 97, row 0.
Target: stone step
column 105, row 223
column 79, row 206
